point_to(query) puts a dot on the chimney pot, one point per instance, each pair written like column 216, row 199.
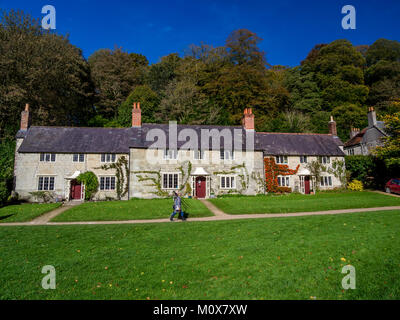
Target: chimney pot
column 25, row 118
column 248, row 119
column 136, row 115
column 332, row 127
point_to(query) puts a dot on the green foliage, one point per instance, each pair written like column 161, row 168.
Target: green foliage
column 149, row 102
column 89, row 179
column 122, row 175
column 316, row 169
column 361, row 168
column 43, row 69
column 390, row 152
column 7, row 149
column 338, row 169
column 355, row 185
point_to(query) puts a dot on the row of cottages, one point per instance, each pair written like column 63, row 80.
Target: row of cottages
column 364, row 141
column 153, row 160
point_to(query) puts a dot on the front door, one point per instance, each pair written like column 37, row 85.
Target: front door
column 307, row 184
column 76, row 190
column 200, row 187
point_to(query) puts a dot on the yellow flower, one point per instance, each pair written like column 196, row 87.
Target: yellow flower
column 343, row 259
column 170, row 282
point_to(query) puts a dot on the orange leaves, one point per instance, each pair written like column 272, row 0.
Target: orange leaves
column 272, row 171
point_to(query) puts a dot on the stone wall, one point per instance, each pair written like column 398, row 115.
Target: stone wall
column 147, row 166
column 28, row 168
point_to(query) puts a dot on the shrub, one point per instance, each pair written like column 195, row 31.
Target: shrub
column 355, row 185
column 91, row 183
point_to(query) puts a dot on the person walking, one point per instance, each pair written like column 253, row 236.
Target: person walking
column 177, row 206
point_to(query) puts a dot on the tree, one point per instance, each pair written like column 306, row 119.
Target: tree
column 7, row 149
column 115, row 73
column 349, row 116
column 390, row 151
column 44, row 70
column 149, row 103
column 163, row 72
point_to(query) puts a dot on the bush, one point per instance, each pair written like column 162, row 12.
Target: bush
column 355, row 185
column 91, row 183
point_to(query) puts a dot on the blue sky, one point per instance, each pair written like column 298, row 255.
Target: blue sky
column 156, row 28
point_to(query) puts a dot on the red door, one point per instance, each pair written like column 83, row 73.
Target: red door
column 307, row 184
column 76, row 190
column 200, row 187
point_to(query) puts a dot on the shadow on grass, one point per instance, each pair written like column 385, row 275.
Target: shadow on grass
column 6, row 216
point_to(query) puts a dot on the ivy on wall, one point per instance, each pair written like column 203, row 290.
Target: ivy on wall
column 272, row 171
column 242, row 172
column 121, row 174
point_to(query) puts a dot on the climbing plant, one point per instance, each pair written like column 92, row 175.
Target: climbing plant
column 316, row 169
column 89, row 179
column 241, row 171
column 272, row 171
column 338, row 169
column 121, row 173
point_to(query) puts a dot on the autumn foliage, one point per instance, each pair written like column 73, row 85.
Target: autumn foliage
column 272, row 171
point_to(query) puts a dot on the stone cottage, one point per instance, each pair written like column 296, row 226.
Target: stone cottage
column 362, row 142
column 153, row 160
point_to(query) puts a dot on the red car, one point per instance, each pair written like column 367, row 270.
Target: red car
column 393, row 186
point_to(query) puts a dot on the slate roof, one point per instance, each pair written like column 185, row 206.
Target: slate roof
column 299, row 144
column 120, row 140
column 362, row 137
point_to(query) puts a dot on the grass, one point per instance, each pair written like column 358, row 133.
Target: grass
column 277, row 258
column 25, row 212
column 128, row 210
column 300, row 202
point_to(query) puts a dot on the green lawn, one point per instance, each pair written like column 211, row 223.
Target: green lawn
column 277, row 258
column 300, row 202
column 25, row 212
column 128, row 210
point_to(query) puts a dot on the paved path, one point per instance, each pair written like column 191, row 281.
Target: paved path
column 219, row 216
column 217, row 212
column 387, row 194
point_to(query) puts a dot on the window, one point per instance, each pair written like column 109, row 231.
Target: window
column 283, row 181
column 46, row 183
column 281, row 159
column 170, row 154
column 324, row 159
column 107, row 183
column 198, row 154
column 326, row 181
column 226, row 154
column 78, row 157
column 228, row 182
column 48, row 157
column 108, row 157
column 303, row 159
column 350, row 152
column 170, row 181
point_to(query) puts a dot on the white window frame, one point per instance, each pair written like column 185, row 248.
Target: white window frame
column 227, row 186
column 105, row 183
column 326, row 181
column 170, row 175
column 283, row 181
column 325, row 159
column 198, row 154
column 226, row 154
column 303, row 159
column 47, row 157
column 170, row 154
column 78, row 157
column 108, row 158
column 40, row 186
column 281, row 159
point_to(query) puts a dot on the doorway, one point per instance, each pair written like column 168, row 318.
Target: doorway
column 76, row 190
column 200, row 187
column 307, row 184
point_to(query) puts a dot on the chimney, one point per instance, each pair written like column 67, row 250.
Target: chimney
column 136, row 115
column 332, row 127
column 248, row 119
column 371, row 117
column 354, row 132
column 25, row 118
